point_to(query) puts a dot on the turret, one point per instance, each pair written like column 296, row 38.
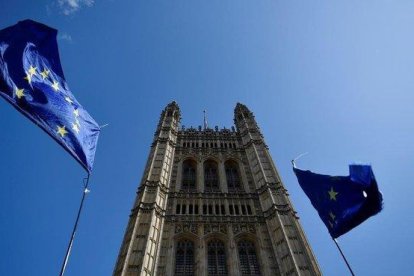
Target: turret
column 246, row 125
column 142, row 238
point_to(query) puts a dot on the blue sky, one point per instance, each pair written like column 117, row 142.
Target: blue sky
column 332, row 78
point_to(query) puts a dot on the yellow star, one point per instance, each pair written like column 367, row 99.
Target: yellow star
column 332, row 215
column 76, row 112
column 62, row 131
column 45, row 73
column 28, row 78
column 332, row 194
column 32, row 70
column 68, row 100
column 55, row 86
column 331, row 224
column 75, row 127
column 19, row 92
column 77, row 122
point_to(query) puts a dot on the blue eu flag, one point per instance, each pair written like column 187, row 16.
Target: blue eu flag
column 32, row 80
column 343, row 202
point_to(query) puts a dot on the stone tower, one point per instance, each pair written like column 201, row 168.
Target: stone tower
column 211, row 202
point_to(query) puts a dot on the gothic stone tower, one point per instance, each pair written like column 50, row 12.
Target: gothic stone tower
column 211, row 202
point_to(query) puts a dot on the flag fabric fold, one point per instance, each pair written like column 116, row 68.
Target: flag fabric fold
column 342, row 202
column 32, row 80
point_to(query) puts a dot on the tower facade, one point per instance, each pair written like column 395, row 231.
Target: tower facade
column 211, row 202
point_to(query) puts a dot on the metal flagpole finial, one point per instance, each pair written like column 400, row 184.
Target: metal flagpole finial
column 205, row 120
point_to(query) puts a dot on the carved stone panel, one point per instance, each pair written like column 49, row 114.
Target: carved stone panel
column 215, row 228
column 186, row 227
column 243, row 228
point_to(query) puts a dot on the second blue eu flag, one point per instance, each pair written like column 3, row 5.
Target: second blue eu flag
column 343, row 202
column 32, row 80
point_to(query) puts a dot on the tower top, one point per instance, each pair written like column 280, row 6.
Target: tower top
column 172, row 109
column 241, row 108
column 173, row 104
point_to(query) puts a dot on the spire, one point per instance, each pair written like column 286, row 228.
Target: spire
column 205, row 120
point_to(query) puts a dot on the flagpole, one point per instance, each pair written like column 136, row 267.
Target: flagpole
column 343, row 256
column 85, row 191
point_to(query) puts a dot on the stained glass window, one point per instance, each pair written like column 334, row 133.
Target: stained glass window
column 232, row 175
column 189, row 175
column 184, row 258
column 249, row 264
column 216, row 258
column 211, row 181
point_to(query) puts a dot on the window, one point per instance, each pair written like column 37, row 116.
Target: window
column 249, row 209
column 189, row 175
column 184, row 258
column 211, row 181
column 216, row 258
column 232, row 175
column 248, row 259
column 177, row 209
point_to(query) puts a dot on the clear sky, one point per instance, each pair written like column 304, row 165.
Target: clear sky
column 332, row 78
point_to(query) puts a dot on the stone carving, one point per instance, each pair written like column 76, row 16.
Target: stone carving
column 186, row 227
column 243, row 228
column 215, row 228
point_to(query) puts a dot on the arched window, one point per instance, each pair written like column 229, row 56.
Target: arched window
column 216, row 258
column 189, row 175
column 211, row 180
column 232, row 175
column 184, row 258
column 248, row 259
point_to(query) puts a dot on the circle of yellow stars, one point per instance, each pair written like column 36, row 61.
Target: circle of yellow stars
column 20, row 93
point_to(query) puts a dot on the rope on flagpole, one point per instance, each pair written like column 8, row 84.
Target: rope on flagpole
column 85, row 191
column 294, row 160
column 343, row 256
